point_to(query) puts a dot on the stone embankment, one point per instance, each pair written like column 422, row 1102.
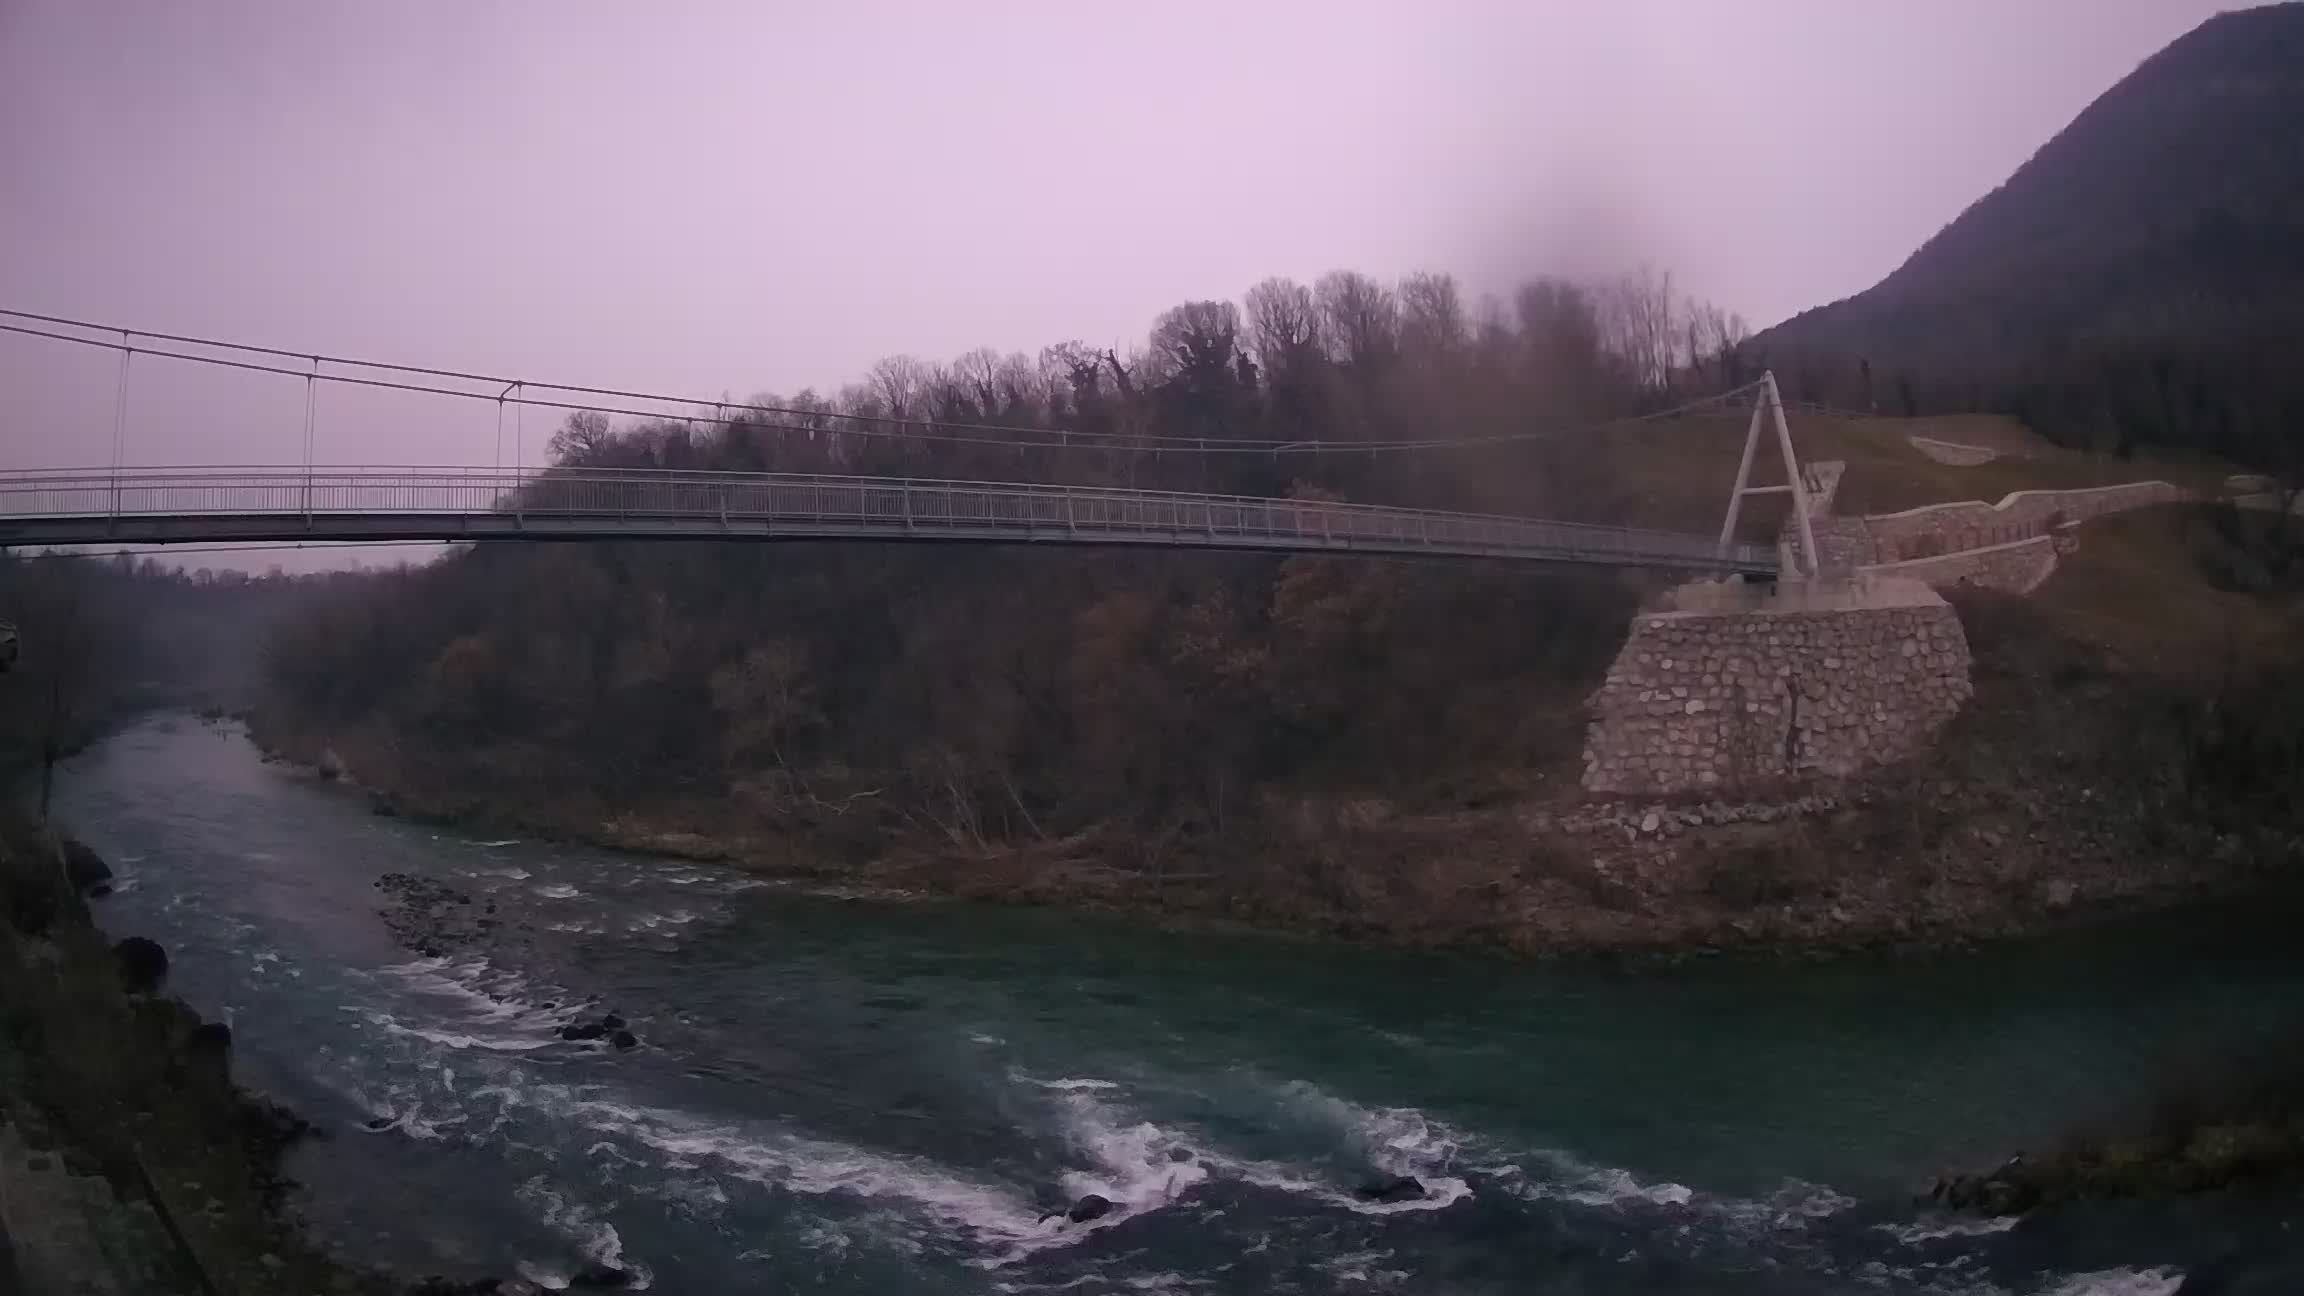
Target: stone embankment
column 1733, row 687
column 1633, row 820
column 1724, row 687
column 2011, row 546
column 1937, row 529
column 1953, row 453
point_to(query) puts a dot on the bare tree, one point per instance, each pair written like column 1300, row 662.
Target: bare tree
column 1283, row 325
column 1197, row 341
column 1638, row 315
column 1715, row 340
column 1026, row 388
column 1432, row 318
column 582, row 437
column 1359, row 320
column 976, row 376
column 900, row 383
column 1560, row 328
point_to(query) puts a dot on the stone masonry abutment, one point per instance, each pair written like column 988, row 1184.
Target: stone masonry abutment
column 1731, row 685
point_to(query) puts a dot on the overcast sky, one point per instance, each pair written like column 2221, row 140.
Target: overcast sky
column 741, row 196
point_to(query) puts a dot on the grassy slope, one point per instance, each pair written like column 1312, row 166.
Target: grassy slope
column 1676, row 473
column 2149, row 587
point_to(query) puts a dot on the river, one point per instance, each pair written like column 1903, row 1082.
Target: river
column 872, row 1097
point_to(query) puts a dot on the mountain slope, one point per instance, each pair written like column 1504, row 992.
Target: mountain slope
column 2140, row 279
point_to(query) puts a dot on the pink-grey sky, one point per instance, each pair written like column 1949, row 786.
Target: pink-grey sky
column 732, row 197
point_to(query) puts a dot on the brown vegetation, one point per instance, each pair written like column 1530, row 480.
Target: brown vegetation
column 104, row 636
column 1334, row 743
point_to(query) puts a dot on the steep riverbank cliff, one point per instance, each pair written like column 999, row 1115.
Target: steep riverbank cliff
column 129, row 1161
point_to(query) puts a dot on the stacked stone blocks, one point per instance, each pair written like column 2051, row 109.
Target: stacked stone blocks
column 1698, row 702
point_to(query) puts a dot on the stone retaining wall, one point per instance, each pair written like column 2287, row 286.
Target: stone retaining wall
column 1947, row 528
column 2017, row 568
column 1829, row 679
column 1952, row 452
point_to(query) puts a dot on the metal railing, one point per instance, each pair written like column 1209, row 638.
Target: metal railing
column 160, row 505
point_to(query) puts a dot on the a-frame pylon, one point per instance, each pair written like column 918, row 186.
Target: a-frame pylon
column 1770, row 405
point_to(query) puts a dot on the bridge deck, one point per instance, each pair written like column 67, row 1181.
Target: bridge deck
column 171, row 505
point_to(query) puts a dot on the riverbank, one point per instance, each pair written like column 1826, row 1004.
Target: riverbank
column 2230, row 1124
column 130, row 1162
column 2063, row 792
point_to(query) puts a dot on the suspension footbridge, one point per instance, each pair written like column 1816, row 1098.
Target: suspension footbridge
column 121, row 504
column 388, row 504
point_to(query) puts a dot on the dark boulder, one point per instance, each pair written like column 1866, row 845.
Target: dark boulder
column 143, row 964
column 1391, row 1188
column 378, row 1124
column 599, row 1277
column 1094, row 1206
column 2001, row 1197
column 582, row 1031
column 84, row 868
column 208, row 1053
column 613, row 1022
column 624, row 1039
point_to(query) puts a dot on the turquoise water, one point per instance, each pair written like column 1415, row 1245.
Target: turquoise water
column 863, row 1097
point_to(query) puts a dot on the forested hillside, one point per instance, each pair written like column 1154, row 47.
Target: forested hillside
column 980, row 695
column 102, row 636
column 2139, row 281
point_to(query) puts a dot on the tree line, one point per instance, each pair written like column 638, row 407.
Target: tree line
column 974, row 697
column 1346, row 362
column 103, row 637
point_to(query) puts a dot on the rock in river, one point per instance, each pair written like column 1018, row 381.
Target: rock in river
column 143, row 964
column 84, row 868
column 1094, row 1206
column 1391, row 1188
column 599, row 1277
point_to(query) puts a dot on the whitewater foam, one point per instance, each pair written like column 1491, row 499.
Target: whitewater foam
column 1360, row 1267
column 1932, row 1230
column 557, row 891
column 1611, row 1187
column 983, row 1212
column 595, row 1239
column 406, row 1117
column 1138, row 1165
column 1390, row 1140
column 462, row 1040
column 2162, row 1281
column 482, row 992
